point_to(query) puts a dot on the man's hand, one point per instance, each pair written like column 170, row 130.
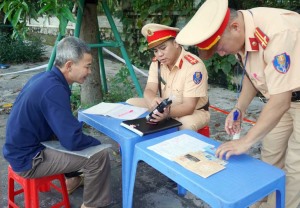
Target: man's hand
column 157, row 116
column 234, row 147
column 155, row 102
column 233, row 126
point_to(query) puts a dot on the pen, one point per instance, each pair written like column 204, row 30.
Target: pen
column 235, row 118
column 123, row 114
column 235, row 115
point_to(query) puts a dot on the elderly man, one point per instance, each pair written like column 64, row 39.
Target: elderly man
column 42, row 111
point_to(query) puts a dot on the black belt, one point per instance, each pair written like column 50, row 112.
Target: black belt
column 205, row 107
column 295, row 97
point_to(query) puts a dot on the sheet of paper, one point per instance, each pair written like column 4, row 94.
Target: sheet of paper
column 179, row 146
column 102, row 108
column 127, row 112
column 116, row 110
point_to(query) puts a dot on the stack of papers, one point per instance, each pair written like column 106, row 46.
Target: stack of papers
column 116, row 110
column 191, row 153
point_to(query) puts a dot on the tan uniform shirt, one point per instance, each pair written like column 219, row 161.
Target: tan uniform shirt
column 272, row 49
column 188, row 78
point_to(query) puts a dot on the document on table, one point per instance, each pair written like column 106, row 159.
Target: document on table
column 116, row 110
column 178, row 146
column 198, row 163
column 193, row 154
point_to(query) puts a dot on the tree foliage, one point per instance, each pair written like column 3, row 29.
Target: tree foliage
column 17, row 12
column 133, row 14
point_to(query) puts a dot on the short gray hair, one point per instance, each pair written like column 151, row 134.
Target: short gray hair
column 233, row 14
column 70, row 48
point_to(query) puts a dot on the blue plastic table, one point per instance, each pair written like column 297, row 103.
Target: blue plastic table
column 244, row 181
column 126, row 139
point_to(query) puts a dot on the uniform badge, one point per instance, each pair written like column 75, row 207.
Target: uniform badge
column 191, row 59
column 261, row 37
column 197, row 77
column 282, row 63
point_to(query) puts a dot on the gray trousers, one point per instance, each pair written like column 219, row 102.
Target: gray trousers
column 96, row 170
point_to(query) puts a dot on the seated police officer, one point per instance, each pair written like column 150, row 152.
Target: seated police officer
column 177, row 74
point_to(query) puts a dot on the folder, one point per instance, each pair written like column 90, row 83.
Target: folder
column 142, row 127
column 88, row 152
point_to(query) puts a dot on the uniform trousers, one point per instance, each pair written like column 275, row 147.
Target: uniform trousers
column 281, row 148
column 195, row 121
column 96, row 170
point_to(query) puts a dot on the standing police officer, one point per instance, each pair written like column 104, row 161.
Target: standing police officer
column 267, row 40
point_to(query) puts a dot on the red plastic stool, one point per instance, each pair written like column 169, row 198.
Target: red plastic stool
column 204, row 131
column 31, row 188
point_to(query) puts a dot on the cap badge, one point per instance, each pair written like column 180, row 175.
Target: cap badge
column 282, row 63
column 149, row 32
column 197, row 77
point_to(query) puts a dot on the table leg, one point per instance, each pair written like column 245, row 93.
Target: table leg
column 127, row 155
column 280, row 194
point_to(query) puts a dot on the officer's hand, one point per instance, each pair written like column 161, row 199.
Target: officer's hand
column 157, row 116
column 234, row 147
column 155, row 102
column 232, row 127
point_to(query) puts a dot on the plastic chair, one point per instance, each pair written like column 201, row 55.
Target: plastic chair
column 31, row 188
column 204, row 131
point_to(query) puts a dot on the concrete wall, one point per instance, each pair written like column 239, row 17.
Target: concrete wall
column 49, row 26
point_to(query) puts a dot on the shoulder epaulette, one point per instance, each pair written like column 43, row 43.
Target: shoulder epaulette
column 154, row 59
column 261, row 37
column 191, row 59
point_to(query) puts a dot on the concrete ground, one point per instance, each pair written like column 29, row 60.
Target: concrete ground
column 152, row 189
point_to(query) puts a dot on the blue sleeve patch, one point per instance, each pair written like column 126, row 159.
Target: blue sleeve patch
column 197, row 77
column 282, row 63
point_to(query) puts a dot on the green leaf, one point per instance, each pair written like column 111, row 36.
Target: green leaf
column 25, row 6
column 16, row 17
column 231, row 59
column 62, row 25
column 2, row 5
column 67, row 14
column 44, row 9
column 7, row 16
column 166, row 21
column 226, row 67
column 217, row 67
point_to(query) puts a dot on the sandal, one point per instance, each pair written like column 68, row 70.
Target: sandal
column 74, row 183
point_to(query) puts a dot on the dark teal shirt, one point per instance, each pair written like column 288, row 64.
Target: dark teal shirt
column 41, row 110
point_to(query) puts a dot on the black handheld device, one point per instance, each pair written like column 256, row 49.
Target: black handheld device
column 160, row 108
